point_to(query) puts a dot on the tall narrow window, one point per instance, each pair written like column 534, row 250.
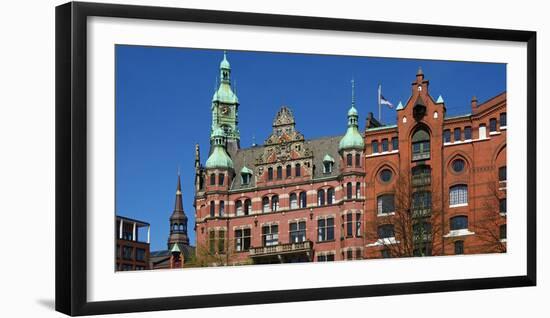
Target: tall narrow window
column 502, row 173
column 212, row 242
column 358, row 225
column 349, row 225
column 270, row 235
column 374, row 146
column 293, row 198
column 502, row 232
column 269, row 173
column 358, row 160
column 298, row 171
column 349, row 191
column 385, row 146
column 395, row 143
column 482, row 131
column 297, row 231
column 325, row 229
column 288, row 171
column 221, row 242
column 222, row 208
column 457, row 134
column 239, row 207
column 275, row 203
column 247, row 206
column 446, row 136
column 358, row 190
column 459, row 247
column 468, row 133
column 492, row 125
column 303, row 200
column 265, row 204
column 212, row 209
column 502, row 120
column 245, row 178
column 213, row 179
column 459, row 222
column 502, row 206
column 349, row 160
column 458, row 195
column 279, row 173
column 330, row 196
column 221, row 178
column 421, row 145
column 321, row 197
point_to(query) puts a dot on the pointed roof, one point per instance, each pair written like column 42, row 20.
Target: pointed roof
column 245, row 170
column 400, row 106
column 175, row 249
column 327, row 157
column 440, row 100
column 224, row 64
column 178, row 206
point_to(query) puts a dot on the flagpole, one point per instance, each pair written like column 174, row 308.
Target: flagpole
column 379, row 104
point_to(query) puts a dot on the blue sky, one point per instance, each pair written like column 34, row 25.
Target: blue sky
column 163, row 100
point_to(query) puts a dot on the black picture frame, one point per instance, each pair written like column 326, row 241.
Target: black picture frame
column 71, row 157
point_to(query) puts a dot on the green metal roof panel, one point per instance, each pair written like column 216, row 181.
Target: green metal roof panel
column 219, row 159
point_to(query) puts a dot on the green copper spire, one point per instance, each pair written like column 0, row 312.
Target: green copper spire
column 219, row 157
column 352, row 139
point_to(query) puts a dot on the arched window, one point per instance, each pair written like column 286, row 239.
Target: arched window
column 270, row 173
column 213, row 179
column 330, row 196
column 275, row 203
column 298, row 171
column 247, row 206
column 458, row 195
column 279, row 173
column 288, row 171
column 221, row 178
column 175, row 227
column 420, row 145
column 386, row 231
column 293, row 198
column 212, row 208
column 321, row 197
column 459, row 223
column 349, row 160
column 349, row 191
column 358, row 190
column 265, row 204
column 222, row 208
column 303, row 200
column 239, row 207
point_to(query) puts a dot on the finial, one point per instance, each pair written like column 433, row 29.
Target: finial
column 419, row 72
column 224, row 54
column 352, row 92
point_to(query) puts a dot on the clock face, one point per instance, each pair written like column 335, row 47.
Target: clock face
column 225, row 110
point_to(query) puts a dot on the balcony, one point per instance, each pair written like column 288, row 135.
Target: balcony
column 420, row 180
column 282, row 253
column 421, row 212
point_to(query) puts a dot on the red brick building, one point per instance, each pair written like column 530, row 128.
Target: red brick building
column 132, row 249
column 429, row 185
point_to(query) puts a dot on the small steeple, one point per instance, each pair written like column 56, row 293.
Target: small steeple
column 178, row 219
column 352, row 139
column 440, row 100
column 178, row 207
column 225, row 68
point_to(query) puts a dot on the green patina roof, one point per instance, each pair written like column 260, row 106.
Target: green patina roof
column 246, row 170
column 352, row 111
column 225, row 63
column 219, row 159
column 440, row 100
column 327, row 157
column 352, row 139
column 400, row 106
column 225, row 94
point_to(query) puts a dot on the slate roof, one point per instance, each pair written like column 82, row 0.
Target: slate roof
column 319, row 146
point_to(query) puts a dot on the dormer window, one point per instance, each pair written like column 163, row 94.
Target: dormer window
column 328, row 164
column 245, row 178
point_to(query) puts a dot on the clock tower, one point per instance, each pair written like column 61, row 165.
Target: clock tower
column 225, row 106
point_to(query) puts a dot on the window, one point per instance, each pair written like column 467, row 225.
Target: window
column 385, row 253
column 212, row 179
column 457, row 134
column 459, row 222
column 386, row 203
column 212, row 209
column 502, row 232
column 297, row 231
column 349, row 225
column 358, row 190
column 459, row 247
column 140, row 254
column 358, row 225
column 239, row 208
column 458, row 165
column 358, row 160
column 298, row 171
column 492, row 125
column 385, row 146
column 212, row 242
column 321, row 197
column 502, row 120
column 502, row 205
column 293, row 198
column 349, row 159
column 374, row 146
column 421, row 145
column 458, row 195
column 421, row 175
column 446, row 136
column 303, row 200
column 327, row 166
column 222, row 208
column 270, row 174
column 242, row 240
column 245, row 178
column 221, row 178
column 349, row 255
column 482, row 131
column 386, row 175
column 421, row 203
column 386, row 231
column 422, row 230
column 330, row 196
column 395, row 143
column 221, row 242
column 279, row 173
column 468, row 133
column 127, row 252
column 265, row 204
column 325, row 229
column 275, row 203
column 349, row 190
column 247, row 206
column 270, row 235
column 288, row 171
column 358, row 254
column 325, row 258
column 502, row 173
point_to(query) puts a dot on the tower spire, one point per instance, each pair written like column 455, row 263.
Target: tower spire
column 178, row 207
column 352, row 92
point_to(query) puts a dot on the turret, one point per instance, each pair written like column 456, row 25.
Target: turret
column 178, row 221
column 352, row 140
